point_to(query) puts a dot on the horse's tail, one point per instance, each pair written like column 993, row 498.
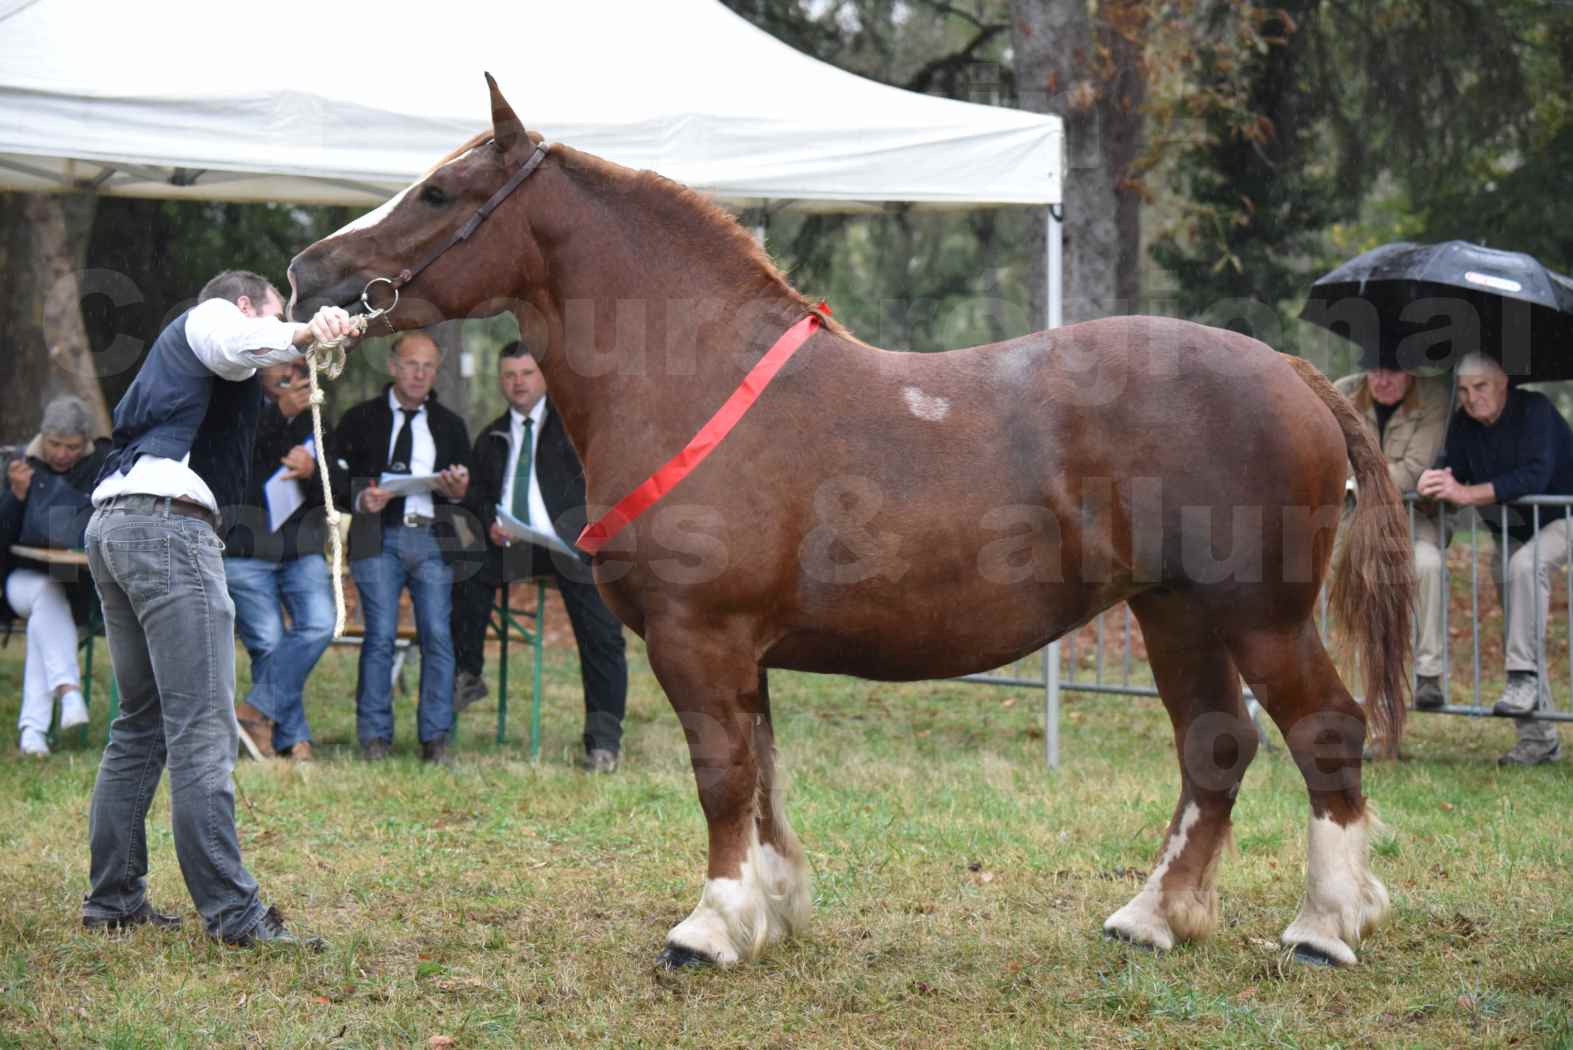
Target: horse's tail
column 1372, row 589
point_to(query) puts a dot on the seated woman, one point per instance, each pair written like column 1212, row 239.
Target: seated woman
column 45, row 503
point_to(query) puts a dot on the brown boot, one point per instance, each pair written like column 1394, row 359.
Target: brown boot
column 301, row 752
column 257, row 726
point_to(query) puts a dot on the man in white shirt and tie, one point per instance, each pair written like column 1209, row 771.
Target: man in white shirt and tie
column 525, row 463
column 179, row 456
column 405, row 541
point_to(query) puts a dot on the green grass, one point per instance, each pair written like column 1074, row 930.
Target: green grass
column 959, row 890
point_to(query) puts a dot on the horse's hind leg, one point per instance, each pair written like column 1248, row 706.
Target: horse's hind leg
column 1293, row 677
column 1216, row 742
column 756, row 886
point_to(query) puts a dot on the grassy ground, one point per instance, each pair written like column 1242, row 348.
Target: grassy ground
column 959, row 892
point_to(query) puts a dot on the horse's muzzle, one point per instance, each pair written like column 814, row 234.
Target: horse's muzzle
column 310, row 289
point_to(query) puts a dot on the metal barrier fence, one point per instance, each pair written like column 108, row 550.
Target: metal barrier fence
column 1059, row 664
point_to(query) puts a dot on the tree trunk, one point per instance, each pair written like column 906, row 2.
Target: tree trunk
column 47, row 354
column 1089, row 69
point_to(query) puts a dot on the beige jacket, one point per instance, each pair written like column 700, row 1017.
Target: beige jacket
column 1415, row 431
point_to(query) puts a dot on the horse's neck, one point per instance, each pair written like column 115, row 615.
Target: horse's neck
column 646, row 341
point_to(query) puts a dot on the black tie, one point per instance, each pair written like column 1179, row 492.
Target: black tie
column 399, row 462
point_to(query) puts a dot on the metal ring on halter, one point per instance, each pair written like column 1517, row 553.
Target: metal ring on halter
column 365, row 298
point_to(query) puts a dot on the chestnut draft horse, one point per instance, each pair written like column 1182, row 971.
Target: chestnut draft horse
column 902, row 516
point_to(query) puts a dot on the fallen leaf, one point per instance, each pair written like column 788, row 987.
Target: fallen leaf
column 441, row 1042
column 1448, row 807
column 323, row 1000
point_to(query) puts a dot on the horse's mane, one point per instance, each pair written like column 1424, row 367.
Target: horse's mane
column 469, row 144
column 705, row 220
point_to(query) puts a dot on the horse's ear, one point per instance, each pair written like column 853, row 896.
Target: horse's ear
column 507, row 131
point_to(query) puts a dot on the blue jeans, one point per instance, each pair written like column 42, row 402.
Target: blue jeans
column 170, row 625
column 282, row 659
column 409, row 557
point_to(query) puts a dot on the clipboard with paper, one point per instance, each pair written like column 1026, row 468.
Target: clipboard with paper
column 518, row 530
column 408, row 484
column 282, row 495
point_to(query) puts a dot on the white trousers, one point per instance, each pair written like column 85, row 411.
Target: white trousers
column 51, row 644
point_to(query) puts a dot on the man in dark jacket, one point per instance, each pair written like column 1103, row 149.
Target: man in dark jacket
column 408, row 539
column 524, row 463
column 1505, row 443
column 44, row 503
column 273, row 561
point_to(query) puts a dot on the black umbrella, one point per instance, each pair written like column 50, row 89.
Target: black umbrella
column 1427, row 305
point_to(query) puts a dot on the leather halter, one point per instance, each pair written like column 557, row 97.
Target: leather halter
column 463, row 232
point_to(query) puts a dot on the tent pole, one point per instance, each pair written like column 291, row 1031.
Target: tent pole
column 1053, row 230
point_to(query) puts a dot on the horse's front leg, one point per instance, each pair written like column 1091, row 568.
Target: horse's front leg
column 756, row 887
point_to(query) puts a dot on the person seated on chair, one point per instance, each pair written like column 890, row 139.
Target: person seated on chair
column 398, row 541
column 1505, row 443
column 46, row 503
column 1408, row 414
column 525, row 463
column 271, row 569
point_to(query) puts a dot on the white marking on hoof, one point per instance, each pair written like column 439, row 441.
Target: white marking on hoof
column 1343, row 901
column 737, row 919
column 1142, row 920
column 931, row 408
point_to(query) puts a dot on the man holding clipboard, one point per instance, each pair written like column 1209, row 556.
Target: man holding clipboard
column 273, row 561
column 407, row 458
column 527, row 474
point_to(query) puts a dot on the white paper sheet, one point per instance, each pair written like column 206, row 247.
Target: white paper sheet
column 518, row 530
column 284, row 496
column 408, row 484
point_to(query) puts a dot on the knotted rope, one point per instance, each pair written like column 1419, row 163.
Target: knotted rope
column 328, row 359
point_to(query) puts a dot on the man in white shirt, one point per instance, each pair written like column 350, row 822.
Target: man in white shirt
column 179, row 455
column 524, row 463
column 400, row 541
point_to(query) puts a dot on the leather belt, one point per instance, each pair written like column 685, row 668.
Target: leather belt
column 142, row 503
column 418, row 521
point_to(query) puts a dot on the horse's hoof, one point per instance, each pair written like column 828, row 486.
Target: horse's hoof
column 676, row 957
column 1313, row 956
column 1114, row 934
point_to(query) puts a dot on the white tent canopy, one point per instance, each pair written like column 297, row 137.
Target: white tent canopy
column 316, row 102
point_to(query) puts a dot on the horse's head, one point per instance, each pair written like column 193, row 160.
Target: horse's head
column 437, row 243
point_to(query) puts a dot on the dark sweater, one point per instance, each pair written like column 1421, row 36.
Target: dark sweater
column 1528, row 451
column 246, row 533
column 54, row 514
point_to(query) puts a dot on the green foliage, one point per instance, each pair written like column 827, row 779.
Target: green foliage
column 147, row 260
column 901, row 276
column 1256, row 198
column 1350, row 124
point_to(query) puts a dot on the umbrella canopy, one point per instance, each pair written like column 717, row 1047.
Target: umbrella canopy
column 1419, row 306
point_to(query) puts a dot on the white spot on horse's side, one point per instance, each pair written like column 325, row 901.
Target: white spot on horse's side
column 1343, row 900
column 925, row 406
column 1142, row 920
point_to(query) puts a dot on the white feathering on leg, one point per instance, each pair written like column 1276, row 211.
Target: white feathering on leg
column 1343, row 901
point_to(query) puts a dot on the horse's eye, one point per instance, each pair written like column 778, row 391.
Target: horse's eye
column 434, row 196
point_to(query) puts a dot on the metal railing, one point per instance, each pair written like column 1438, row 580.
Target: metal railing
column 1061, row 661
